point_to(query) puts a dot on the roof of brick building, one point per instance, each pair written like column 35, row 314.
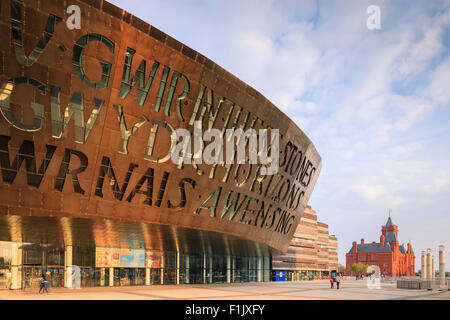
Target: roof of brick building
column 372, row 247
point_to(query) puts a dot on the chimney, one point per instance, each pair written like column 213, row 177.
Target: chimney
column 362, row 240
column 382, row 241
column 409, row 247
column 355, row 247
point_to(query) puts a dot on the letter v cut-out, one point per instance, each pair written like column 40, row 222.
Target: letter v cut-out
column 16, row 28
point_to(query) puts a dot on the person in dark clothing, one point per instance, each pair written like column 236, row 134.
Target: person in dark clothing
column 338, row 281
column 47, row 280
column 42, row 285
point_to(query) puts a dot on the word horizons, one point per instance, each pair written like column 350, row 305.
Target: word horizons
column 279, row 188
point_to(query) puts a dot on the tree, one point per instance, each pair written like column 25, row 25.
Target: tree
column 359, row 267
column 354, row 268
column 364, row 268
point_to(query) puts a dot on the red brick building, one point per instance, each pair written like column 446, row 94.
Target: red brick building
column 393, row 259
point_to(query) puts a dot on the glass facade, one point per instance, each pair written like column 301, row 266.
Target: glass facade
column 302, row 275
column 124, row 267
column 36, row 259
column 5, row 265
column 170, row 268
column 219, row 268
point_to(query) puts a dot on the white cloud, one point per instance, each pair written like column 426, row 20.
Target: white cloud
column 418, row 54
column 370, row 192
column 406, row 149
column 438, row 89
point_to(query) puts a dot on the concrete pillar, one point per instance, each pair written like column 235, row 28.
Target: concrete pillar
column 147, row 276
column 162, row 268
column 442, row 266
column 204, row 268
column 111, row 277
column 16, row 265
column 210, row 270
column 424, row 271
column 102, row 277
column 68, row 255
column 148, row 271
column 228, row 269
column 266, row 269
column 259, row 269
column 186, row 269
column 178, row 268
column 233, row 268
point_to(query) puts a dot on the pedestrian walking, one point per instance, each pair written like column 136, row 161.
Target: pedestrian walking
column 338, row 281
column 47, row 280
column 8, row 280
column 42, row 285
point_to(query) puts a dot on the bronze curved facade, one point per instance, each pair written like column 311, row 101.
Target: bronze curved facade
column 85, row 129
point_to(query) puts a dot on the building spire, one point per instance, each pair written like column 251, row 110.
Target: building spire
column 389, row 221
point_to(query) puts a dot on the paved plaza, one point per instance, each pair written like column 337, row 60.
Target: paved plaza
column 314, row 290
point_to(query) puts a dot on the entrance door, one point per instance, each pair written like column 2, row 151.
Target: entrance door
column 38, row 259
column 116, row 277
column 127, row 276
column 140, row 277
column 195, row 268
column 101, row 277
column 31, row 276
column 57, row 276
column 87, row 277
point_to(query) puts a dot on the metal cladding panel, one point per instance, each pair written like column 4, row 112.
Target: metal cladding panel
column 87, row 116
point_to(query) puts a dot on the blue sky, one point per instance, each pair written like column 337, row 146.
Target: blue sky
column 376, row 103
